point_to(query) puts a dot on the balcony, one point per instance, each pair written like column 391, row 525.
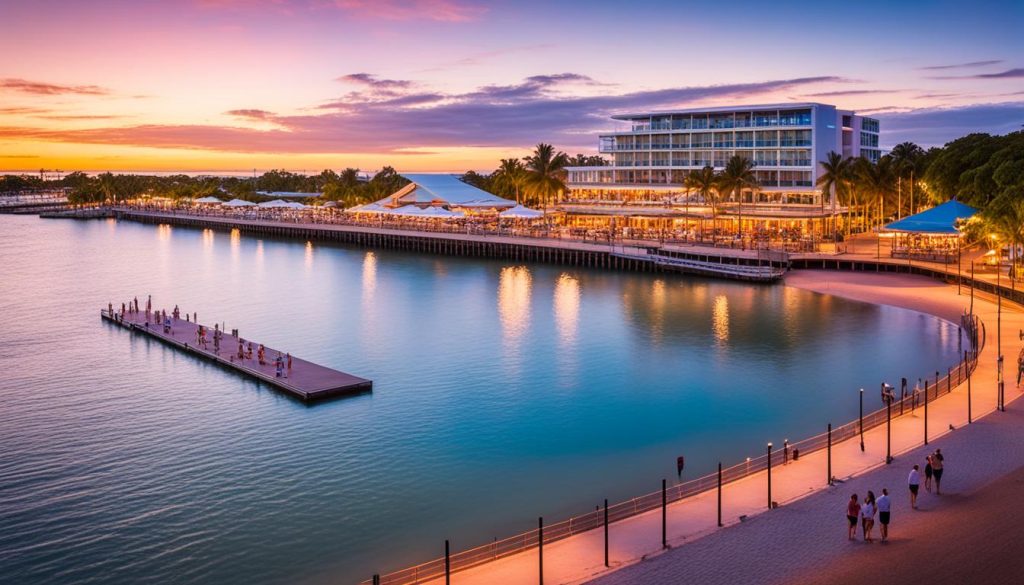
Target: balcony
column 795, row 142
column 800, row 162
column 766, row 143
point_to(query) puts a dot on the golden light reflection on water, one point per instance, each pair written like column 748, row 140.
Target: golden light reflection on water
column 369, row 277
column 163, row 232
column 236, row 244
column 207, row 240
column 309, row 257
column 720, row 319
column 514, row 301
column 658, row 298
column 567, row 307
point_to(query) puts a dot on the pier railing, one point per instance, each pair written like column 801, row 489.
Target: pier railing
column 941, row 384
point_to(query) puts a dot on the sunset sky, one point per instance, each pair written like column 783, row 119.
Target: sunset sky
column 458, row 84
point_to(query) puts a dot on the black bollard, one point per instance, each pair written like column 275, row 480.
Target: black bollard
column 447, row 564
column 769, row 476
column 926, row 412
column 829, row 478
column 720, row 494
column 664, row 514
column 861, row 419
column 606, row 532
column 968, row 389
column 540, row 549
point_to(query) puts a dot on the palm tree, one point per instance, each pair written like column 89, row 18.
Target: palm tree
column 875, row 179
column 834, row 179
column 705, row 183
column 906, row 158
column 737, row 176
column 511, row 175
column 545, row 171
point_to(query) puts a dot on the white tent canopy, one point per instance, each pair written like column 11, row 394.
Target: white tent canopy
column 275, row 203
column 521, row 212
column 294, row 205
column 239, row 203
column 210, row 199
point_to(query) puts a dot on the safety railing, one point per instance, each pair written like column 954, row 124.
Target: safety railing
column 909, row 401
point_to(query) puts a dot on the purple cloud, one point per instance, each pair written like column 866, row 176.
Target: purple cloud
column 512, row 116
column 937, row 126
column 251, row 114
column 846, row 92
column 374, row 82
column 962, row 65
column 1008, row 74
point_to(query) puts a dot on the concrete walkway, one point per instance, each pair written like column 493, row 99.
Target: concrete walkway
column 799, row 487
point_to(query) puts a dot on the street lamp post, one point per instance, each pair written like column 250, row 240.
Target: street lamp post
column 769, row 476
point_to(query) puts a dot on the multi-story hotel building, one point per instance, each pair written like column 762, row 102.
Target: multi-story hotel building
column 652, row 154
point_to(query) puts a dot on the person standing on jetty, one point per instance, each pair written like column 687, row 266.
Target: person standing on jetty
column 289, row 357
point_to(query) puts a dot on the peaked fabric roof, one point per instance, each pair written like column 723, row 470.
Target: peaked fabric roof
column 443, row 190
column 941, row 219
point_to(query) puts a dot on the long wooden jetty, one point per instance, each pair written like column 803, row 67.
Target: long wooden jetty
column 751, row 265
column 304, row 380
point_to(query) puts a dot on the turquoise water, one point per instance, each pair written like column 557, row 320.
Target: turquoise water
column 502, row 391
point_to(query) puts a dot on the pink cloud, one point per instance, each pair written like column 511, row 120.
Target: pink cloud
column 438, row 10
column 41, row 88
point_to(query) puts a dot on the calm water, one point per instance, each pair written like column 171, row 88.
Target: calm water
column 502, row 391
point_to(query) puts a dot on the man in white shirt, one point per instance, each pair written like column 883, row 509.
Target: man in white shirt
column 914, row 481
column 884, row 507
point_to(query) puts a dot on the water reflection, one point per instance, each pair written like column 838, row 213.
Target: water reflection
column 720, row 320
column 207, row 240
column 163, row 232
column 309, row 257
column 236, row 244
column 567, row 307
column 658, row 296
column 514, row 301
column 369, row 278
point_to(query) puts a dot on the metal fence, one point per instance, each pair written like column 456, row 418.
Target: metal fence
column 935, row 387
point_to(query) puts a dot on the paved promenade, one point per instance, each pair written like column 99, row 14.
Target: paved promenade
column 811, row 517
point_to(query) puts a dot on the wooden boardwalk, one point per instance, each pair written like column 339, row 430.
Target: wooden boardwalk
column 305, row 380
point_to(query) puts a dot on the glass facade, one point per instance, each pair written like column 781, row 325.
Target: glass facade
column 783, row 142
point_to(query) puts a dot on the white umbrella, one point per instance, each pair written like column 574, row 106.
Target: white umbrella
column 274, row 203
column 521, row 212
column 294, row 205
column 239, row 203
column 212, row 200
column 332, row 204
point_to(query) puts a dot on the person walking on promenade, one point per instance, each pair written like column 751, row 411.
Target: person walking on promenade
column 884, row 509
column 937, row 470
column 928, row 473
column 241, row 350
column 852, row 514
column 289, row 357
column 914, row 482
column 136, row 304
column 917, row 392
column 867, row 514
column 110, row 309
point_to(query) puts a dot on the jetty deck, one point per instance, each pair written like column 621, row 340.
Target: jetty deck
column 306, row 380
